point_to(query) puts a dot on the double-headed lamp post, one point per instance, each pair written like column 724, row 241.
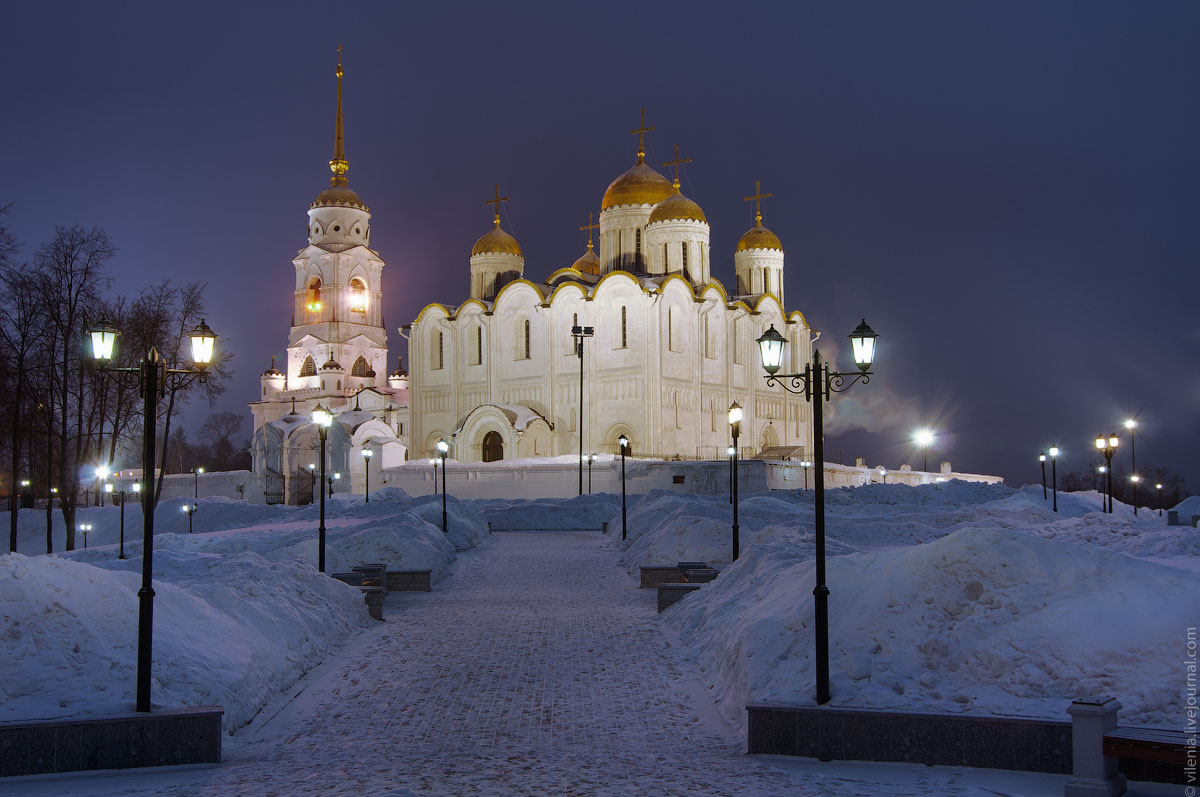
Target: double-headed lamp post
column 366, row 454
column 580, row 334
column 443, row 448
column 735, row 429
column 623, row 442
column 1054, row 452
column 152, row 376
column 1108, row 446
column 816, row 383
column 323, row 419
column 804, row 466
column 189, row 509
column 1131, row 425
column 85, row 528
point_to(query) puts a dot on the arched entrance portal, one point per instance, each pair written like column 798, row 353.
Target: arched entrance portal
column 493, row 447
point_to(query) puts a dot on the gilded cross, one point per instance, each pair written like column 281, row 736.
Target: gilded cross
column 641, row 133
column 758, row 197
column 589, row 229
column 497, row 202
column 678, row 160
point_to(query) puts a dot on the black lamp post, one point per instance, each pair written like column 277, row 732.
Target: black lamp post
column 1054, row 452
column 196, row 481
column 817, row 383
column 367, row 452
column 1103, row 490
column 1108, row 446
column 735, row 429
column 924, row 439
column 443, row 447
column 1159, row 488
column 323, row 419
column 1042, row 459
column 580, row 334
column 729, row 452
column 85, row 528
column 433, row 461
column 590, row 458
column 1131, row 425
column 137, row 488
column 152, row 376
column 623, row 441
column 804, row 466
column 189, row 510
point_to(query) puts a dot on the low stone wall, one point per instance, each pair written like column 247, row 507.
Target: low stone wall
column 409, row 581
column 161, row 738
column 226, row 484
column 832, row 734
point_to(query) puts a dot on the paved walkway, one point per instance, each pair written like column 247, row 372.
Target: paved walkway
column 537, row 668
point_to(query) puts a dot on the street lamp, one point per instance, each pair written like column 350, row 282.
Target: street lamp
column 1054, row 452
column 443, row 447
column 804, row 466
column 137, row 488
column 367, row 452
column 1108, row 446
column 816, row 383
column 730, row 452
column 189, row 510
column 152, row 376
column 85, row 528
column 924, row 439
column 590, row 459
column 101, row 475
column 323, row 419
column 883, row 475
column 580, row 334
column 1159, row 488
column 1042, row 459
column 735, row 429
column 433, row 461
column 623, row 442
column 1131, row 425
column 336, row 477
column 196, row 485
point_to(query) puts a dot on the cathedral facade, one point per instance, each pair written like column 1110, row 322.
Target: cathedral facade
column 502, row 375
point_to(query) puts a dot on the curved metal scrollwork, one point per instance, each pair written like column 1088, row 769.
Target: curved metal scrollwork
column 799, row 382
column 835, row 381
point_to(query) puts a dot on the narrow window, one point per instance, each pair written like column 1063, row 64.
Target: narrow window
column 478, row 345
column 624, row 329
column 619, row 256
column 733, row 343
column 309, row 367
column 440, row 351
column 683, row 247
column 666, row 259
column 670, row 329
column 527, row 348
column 637, row 247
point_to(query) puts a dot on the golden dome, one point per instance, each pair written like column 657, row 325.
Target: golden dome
column 338, row 196
column 641, row 185
column 497, row 241
column 588, row 263
column 677, row 206
column 759, row 237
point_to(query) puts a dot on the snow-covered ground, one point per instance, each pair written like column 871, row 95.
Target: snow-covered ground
column 240, row 612
column 949, row 597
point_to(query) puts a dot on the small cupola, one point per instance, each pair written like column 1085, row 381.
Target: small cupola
column 496, row 258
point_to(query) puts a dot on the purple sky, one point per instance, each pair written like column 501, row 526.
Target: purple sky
column 1006, row 191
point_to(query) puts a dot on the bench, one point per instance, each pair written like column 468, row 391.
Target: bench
column 409, row 581
column 374, row 575
column 372, row 580
column 670, row 594
column 700, row 575
column 1099, row 746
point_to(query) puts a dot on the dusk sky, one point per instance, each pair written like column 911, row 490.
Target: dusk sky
column 1007, row 192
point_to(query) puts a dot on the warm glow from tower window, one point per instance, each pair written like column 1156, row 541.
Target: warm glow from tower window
column 358, row 296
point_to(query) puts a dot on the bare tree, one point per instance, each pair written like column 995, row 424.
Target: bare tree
column 222, row 433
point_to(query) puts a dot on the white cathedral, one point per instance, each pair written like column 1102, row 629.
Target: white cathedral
column 498, row 376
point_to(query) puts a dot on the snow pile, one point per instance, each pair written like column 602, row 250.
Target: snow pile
column 229, row 630
column 984, row 621
column 240, row 613
column 586, row 512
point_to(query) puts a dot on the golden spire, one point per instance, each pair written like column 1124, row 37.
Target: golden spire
column 590, row 226
column 641, row 134
column 758, row 197
column 339, row 166
column 678, row 160
column 497, row 202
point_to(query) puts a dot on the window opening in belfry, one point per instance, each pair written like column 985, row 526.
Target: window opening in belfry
column 314, row 304
column 309, row 367
column 359, row 368
column 358, row 296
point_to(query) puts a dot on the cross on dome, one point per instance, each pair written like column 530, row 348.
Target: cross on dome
column 758, row 197
column 675, row 163
column 497, row 202
column 641, row 134
column 590, row 226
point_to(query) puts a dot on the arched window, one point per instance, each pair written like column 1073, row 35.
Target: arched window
column 637, row 247
column 313, row 297
column 308, row 367
column 436, row 354
column 359, row 368
column 528, row 350
column 478, row 345
column 666, row 259
column 624, row 329
column 493, row 447
column 670, row 329
column 358, row 296
column 684, row 248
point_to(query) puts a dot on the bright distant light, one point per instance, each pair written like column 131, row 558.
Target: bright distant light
column 1054, row 451
column 102, row 472
column 1159, row 486
column 1135, row 478
column 923, row 438
column 1130, row 423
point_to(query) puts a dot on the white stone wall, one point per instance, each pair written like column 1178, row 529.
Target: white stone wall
column 759, row 271
column 676, row 234
column 619, row 228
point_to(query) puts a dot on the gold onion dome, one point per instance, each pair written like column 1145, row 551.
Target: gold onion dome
column 339, row 196
column 641, row 185
column 677, row 207
column 588, row 263
column 497, row 242
column 759, row 237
